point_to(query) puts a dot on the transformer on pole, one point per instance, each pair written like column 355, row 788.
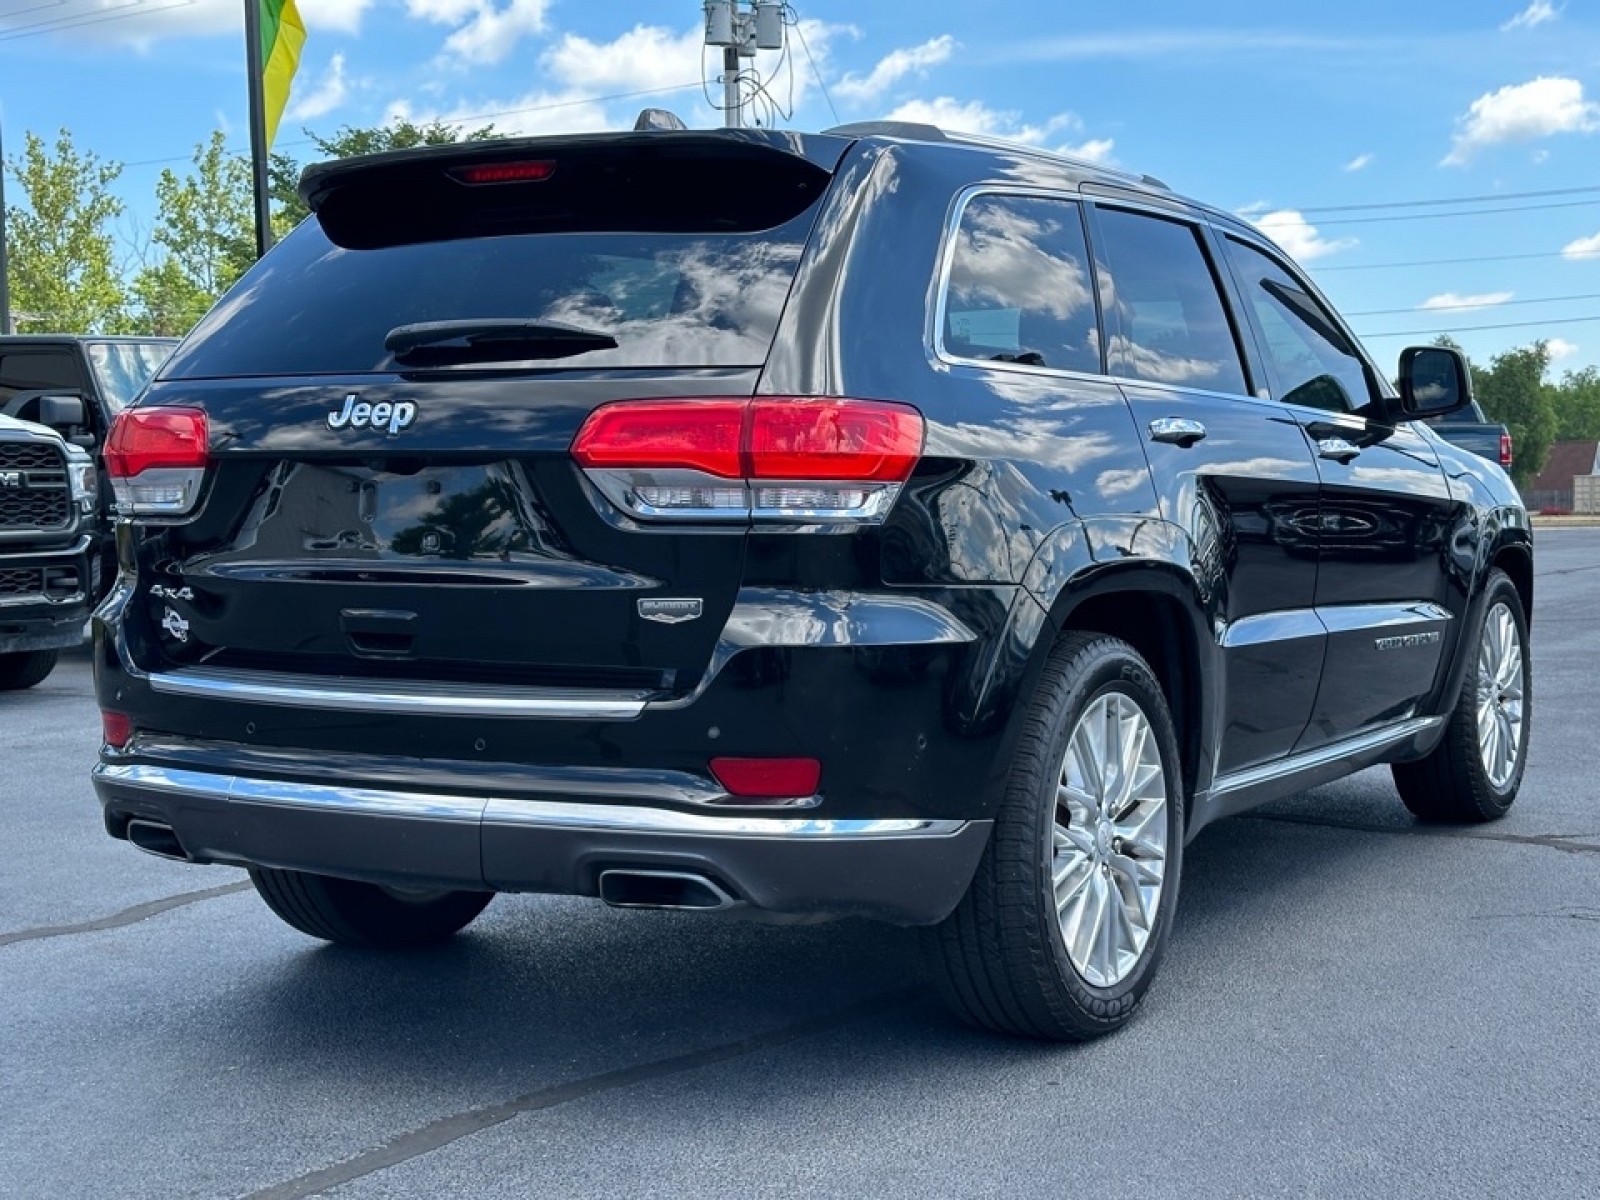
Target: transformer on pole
column 739, row 31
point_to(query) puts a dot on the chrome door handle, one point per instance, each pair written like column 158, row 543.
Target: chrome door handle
column 1337, row 449
column 1176, row 431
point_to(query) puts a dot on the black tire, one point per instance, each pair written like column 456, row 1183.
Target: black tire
column 349, row 913
column 24, row 669
column 1001, row 959
column 1454, row 784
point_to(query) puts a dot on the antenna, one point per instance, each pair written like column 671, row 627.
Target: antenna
column 739, row 31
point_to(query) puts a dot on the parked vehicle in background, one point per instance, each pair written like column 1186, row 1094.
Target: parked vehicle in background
column 878, row 523
column 1473, row 431
column 58, row 396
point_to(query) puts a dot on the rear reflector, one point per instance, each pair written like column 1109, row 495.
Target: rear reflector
column 768, row 778
column 513, row 172
column 813, row 459
column 156, row 459
column 115, row 728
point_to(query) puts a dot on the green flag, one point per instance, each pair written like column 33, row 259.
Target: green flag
column 282, row 35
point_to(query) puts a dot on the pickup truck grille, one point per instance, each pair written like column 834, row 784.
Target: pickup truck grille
column 33, row 488
column 21, row 581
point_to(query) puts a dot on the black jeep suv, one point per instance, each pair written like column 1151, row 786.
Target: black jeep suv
column 879, row 523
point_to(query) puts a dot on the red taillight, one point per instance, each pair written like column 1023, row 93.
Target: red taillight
column 771, row 458
column 768, row 778
column 512, row 172
column 156, row 459
column 115, row 728
column 1505, row 450
column 692, row 435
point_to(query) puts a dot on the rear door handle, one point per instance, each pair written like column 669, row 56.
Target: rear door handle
column 1176, row 431
column 1337, row 449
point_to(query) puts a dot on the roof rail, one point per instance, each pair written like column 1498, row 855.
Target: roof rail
column 911, row 131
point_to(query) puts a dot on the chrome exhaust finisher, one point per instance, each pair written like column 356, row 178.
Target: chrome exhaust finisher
column 662, row 889
column 155, row 838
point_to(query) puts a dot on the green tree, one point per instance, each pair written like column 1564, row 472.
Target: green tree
column 1577, row 400
column 1512, row 390
column 63, row 271
column 284, row 171
column 205, row 237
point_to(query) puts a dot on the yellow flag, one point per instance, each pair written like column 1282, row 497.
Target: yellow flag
column 282, row 35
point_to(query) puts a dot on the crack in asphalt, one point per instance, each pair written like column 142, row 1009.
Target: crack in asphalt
column 128, row 916
column 1551, row 841
column 442, row 1132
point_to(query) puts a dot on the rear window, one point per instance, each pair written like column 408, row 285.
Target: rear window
column 669, row 299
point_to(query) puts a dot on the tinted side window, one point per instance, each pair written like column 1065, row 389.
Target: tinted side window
column 1165, row 318
column 1019, row 285
column 1309, row 359
column 35, row 369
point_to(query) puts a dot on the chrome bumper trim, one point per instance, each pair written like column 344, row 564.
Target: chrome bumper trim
column 522, row 813
column 388, row 696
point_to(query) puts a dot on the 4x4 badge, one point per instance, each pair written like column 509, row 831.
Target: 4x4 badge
column 670, row 612
column 357, row 414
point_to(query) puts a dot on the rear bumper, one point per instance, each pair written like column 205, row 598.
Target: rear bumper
column 906, row 871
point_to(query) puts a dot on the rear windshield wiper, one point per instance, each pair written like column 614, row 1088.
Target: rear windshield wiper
column 490, row 339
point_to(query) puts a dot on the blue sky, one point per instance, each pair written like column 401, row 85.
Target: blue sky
column 1295, row 114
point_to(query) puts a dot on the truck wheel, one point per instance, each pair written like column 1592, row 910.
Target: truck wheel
column 1473, row 774
column 364, row 914
column 1065, row 922
column 23, row 670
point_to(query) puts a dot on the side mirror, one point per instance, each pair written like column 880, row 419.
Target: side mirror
column 61, row 412
column 1434, row 380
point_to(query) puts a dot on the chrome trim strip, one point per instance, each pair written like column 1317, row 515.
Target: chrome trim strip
column 1297, row 764
column 1353, row 618
column 390, row 696
column 541, row 814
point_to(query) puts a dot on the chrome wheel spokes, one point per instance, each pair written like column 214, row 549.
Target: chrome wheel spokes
column 1110, row 839
column 1501, row 694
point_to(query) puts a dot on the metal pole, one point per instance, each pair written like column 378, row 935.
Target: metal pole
column 732, row 117
column 254, row 65
column 5, row 269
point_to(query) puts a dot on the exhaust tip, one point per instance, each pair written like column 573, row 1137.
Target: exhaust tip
column 662, row 889
column 155, row 838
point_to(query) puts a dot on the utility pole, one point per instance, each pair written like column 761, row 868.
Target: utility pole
column 740, row 32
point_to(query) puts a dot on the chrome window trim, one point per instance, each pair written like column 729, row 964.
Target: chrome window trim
column 501, row 810
column 402, row 698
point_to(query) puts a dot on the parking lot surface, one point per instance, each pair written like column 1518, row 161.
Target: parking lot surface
column 1353, row 1005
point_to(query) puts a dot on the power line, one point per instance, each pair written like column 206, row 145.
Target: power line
column 1483, row 199
column 1477, row 328
column 821, row 83
column 1390, row 312
column 116, row 12
column 1476, row 212
column 1438, row 262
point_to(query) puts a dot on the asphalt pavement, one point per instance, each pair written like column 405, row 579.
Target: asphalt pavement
column 1353, row 1005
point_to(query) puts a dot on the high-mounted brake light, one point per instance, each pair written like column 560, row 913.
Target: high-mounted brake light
column 156, row 460
column 785, row 459
column 512, row 172
column 1505, row 450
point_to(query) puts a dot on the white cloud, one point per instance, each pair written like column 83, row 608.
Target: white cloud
column 1584, row 247
column 1521, row 112
column 646, row 56
column 321, row 98
column 1559, row 348
column 530, row 115
column 1536, row 13
column 894, row 67
column 1095, row 150
column 1359, row 163
column 339, row 16
column 978, row 118
column 1298, row 237
column 484, row 33
column 1454, row 301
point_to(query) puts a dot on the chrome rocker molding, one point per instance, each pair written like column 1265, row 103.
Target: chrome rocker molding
column 543, row 814
column 410, row 699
